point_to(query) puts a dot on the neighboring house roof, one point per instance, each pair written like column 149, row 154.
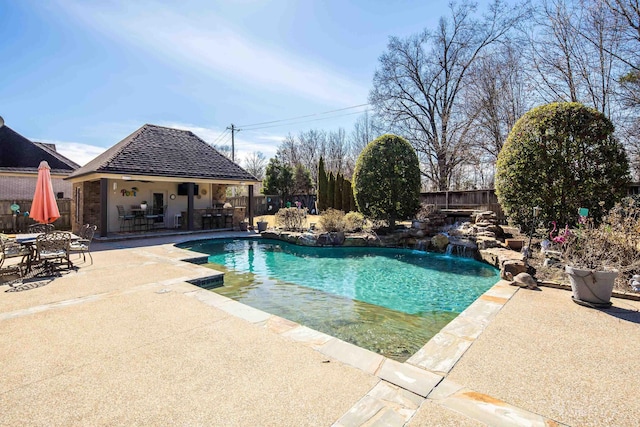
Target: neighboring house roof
column 166, row 152
column 19, row 154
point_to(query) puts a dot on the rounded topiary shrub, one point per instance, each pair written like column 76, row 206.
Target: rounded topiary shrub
column 560, row 157
column 386, row 180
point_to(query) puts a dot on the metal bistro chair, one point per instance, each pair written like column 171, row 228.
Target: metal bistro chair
column 150, row 218
column 41, row 228
column 83, row 245
column 162, row 215
column 10, row 249
column 124, row 218
column 53, row 247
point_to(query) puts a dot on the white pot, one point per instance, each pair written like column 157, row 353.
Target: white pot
column 590, row 285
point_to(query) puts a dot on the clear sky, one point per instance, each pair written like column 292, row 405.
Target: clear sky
column 85, row 74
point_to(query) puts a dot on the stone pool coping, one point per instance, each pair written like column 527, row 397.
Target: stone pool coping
column 403, row 386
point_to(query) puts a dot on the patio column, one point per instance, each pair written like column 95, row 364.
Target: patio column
column 104, row 218
column 250, row 203
column 190, row 192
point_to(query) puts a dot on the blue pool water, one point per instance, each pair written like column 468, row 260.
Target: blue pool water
column 351, row 293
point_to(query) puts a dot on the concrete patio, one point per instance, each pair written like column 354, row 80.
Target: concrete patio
column 127, row 341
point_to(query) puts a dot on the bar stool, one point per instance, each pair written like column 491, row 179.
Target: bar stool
column 207, row 216
column 228, row 218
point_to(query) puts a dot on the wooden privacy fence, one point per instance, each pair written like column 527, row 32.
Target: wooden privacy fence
column 269, row 205
column 262, row 205
column 9, row 223
column 444, row 200
column 465, row 199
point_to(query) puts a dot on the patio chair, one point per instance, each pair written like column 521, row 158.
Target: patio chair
column 52, row 247
column 9, row 249
column 150, row 219
column 162, row 214
column 228, row 217
column 83, row 245
column 41, row 228
column 217, row 214
column 207, row 216
column 124, row 218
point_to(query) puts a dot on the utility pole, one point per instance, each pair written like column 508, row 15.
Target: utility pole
column 233, row 131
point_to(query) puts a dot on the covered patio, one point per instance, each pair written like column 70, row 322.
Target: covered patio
column 159, row 178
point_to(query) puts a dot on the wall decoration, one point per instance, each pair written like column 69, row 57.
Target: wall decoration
column 172, row 197
column 203, row 191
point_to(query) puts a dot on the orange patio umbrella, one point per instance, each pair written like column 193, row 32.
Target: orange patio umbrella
column 44, row 208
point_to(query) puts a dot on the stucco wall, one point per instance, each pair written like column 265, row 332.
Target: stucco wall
column 123, row 193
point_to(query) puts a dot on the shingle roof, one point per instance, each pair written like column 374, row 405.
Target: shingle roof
column 18, row 154
column 161, row 151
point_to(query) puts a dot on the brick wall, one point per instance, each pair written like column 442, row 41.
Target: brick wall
column 23, row 187
column 89, row 204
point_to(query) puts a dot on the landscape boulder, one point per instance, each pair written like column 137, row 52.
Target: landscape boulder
column 525, row 280
column 440, row 242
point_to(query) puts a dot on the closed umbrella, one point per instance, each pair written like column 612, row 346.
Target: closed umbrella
column 44, row 208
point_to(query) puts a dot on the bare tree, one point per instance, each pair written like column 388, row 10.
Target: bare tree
column 495, row 98
column 417, row 88
column 337, row 151
column 311, row 145
column 255, row 163
column 628, row 12
column 223, row 149
column 552, row 48
column 364, row 131
column 572, row 49
column 288, row 151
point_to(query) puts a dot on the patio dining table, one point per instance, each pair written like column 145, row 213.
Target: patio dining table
column 143, row 218
column 28, row 240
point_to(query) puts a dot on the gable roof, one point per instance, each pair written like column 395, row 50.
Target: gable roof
column 19, row 154
column 165, row 152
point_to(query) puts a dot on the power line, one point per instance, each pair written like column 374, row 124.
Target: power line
column 303, row 117
column 224, row 141
column 307, row 121
column 220, row 136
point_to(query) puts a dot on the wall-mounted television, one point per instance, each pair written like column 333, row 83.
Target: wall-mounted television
column 183, row 189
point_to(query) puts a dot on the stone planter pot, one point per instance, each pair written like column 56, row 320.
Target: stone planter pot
column 591, row 287
column 262, row 226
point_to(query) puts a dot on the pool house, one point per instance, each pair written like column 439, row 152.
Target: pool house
column 158, row 178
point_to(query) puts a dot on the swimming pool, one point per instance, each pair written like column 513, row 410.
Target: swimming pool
column 391, row 301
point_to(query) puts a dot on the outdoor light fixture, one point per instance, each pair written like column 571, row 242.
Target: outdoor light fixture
column 126, row 178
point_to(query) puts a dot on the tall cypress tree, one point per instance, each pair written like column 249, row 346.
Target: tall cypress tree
column 323, row 186
column 346, row 190
column 352, row 200
column 331, row 190
column 337, row 196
